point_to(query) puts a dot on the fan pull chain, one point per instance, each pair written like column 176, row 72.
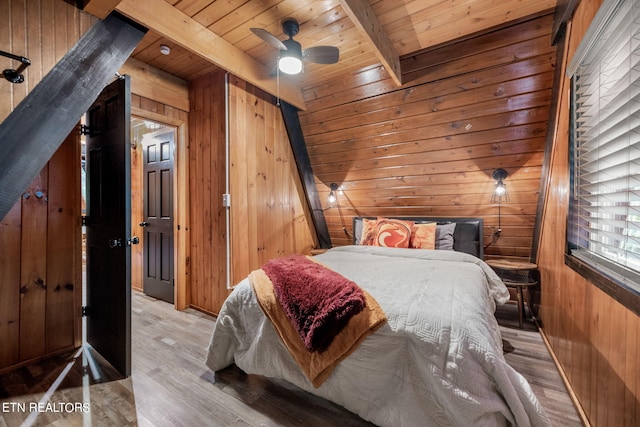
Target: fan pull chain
column 277, row 84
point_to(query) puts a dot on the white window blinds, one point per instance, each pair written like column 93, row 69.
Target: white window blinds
column 605, row 207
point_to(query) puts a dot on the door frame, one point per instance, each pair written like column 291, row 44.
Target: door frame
column 180, row 203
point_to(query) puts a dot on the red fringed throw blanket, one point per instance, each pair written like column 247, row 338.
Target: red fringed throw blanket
column 336, row 320
column 318, row 301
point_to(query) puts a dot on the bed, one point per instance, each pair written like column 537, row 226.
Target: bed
column 436, row 361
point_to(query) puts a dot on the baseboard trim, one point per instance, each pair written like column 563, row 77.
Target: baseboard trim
column 26, row 362
column 572, row 394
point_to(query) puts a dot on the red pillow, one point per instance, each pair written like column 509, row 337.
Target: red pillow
column 393, row 233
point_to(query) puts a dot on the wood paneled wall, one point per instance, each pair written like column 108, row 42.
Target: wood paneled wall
column 206, row 186
column 267, row 216
column 595, row 338
column 430, row 147
column 40, row 264
column 268, row 210
column 40, row 251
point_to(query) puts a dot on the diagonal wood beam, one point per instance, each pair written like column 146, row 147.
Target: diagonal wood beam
column 367, row 23
column 299, row 148
column 172, row 23
column 34, row 130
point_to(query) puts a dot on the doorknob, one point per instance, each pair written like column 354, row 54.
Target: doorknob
column 143, row 224
column 133, row 240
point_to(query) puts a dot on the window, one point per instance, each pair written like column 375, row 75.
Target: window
column 604, row 216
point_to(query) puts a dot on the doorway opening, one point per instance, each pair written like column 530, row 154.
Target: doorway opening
column 152, row 208
column 158, row 139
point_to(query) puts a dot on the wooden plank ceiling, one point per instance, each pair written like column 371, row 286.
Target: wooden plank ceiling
column 367, row 32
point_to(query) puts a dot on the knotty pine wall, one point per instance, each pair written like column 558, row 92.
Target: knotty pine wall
column 267, row 214
column 206, row 186
column 430, row 146
column 595, row 338
column 40, row 268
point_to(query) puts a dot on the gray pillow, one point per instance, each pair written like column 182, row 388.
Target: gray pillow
column 357, row 232
column 444, row 236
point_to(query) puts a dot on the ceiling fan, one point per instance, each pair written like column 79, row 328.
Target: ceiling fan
column 291, row 52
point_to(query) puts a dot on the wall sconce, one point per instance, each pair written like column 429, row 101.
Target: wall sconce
column 499, row 193
column 333, row 200
column 500, row 190
column 333, row 194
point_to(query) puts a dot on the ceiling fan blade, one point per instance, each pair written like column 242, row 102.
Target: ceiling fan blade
column 322, row 54
column 269, row 38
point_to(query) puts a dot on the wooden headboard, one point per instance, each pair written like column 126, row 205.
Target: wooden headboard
column 467, row 237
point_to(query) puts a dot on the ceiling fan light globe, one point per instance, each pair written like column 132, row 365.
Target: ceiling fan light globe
column 290, row 65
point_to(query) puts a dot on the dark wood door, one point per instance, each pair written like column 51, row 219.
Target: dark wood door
column 109, row 225
column 158, row 222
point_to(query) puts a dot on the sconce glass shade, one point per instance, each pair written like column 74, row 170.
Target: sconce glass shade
column 332, row 194
column 500, row 190
column 290, row 61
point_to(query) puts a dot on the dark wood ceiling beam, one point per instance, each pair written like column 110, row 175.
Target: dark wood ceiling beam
column 35, row 129
column 367, row 23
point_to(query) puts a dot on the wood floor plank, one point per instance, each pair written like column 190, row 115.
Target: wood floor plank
column 171, row 386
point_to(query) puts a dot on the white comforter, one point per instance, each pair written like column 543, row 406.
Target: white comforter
column 437, row 362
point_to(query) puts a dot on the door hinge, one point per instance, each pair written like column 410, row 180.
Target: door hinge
column 84, row 220
column 85, row 311
column 84, row 130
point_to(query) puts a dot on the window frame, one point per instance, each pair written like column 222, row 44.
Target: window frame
column 620, row 282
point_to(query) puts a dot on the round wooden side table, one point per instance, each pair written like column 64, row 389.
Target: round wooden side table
column 519, row 275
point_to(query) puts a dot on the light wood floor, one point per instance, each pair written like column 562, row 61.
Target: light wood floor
column 170, row 385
